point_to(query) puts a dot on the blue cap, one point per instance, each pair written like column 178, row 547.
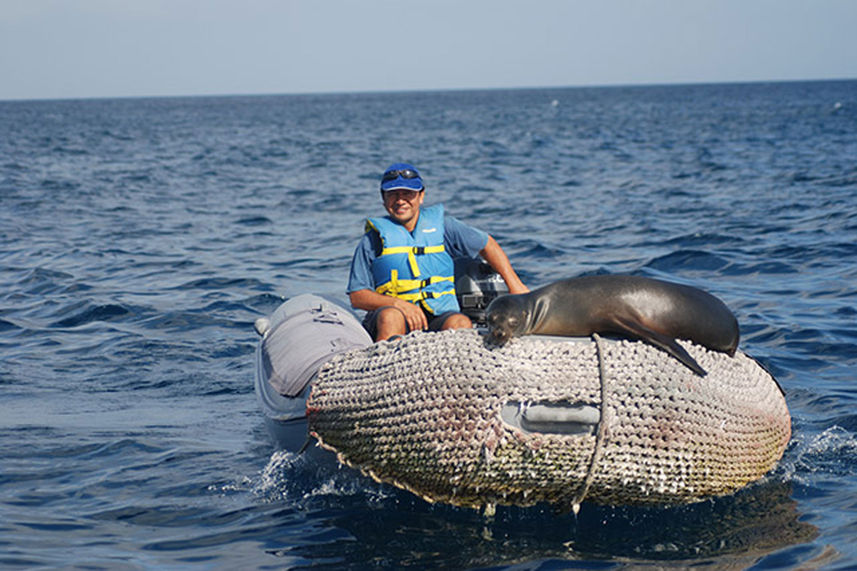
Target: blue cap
column 401, row 176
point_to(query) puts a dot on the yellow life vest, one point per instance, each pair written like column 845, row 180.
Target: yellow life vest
column 415, row 266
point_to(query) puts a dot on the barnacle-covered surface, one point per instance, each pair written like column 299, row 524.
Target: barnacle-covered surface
column 424, row 413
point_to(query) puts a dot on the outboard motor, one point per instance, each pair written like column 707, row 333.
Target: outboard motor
column 476, row 285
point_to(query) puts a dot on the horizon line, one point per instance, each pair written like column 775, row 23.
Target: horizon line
column 426, row 90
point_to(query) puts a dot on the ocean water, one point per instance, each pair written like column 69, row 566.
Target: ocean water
column 140, row 239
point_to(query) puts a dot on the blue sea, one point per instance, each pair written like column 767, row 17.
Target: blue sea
column 140, row 239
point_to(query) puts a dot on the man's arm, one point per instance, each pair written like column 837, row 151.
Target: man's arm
column 497, row 259
column 466, row 241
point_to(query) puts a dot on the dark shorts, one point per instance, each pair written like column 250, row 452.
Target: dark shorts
column 435, row 322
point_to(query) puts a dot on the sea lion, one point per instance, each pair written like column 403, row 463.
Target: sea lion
column 651, row 310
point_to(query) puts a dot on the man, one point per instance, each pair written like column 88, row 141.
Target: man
column 402, row 272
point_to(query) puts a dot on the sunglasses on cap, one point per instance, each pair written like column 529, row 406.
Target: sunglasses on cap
column 404, row 173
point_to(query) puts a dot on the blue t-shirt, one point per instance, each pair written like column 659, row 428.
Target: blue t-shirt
column 460, row 240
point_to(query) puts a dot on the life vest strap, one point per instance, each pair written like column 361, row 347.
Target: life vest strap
column 413, row 252
column 400, row 288
column 421, row 296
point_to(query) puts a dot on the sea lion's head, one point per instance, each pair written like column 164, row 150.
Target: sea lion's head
column 506, row 317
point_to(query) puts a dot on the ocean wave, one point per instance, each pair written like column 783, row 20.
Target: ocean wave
column 689, row 260
column 829, row 452
column 86, row 312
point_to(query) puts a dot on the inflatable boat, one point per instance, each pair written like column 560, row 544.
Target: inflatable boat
column 453, row 418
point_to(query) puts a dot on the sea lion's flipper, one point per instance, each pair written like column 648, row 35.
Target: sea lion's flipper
column 637, row 330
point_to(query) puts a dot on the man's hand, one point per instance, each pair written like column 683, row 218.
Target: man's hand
column 369, row 300
column 414, row 315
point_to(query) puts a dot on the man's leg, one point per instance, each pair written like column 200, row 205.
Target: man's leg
column 450, row 320
column 388, row 321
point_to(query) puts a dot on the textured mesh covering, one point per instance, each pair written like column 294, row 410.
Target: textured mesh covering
column 424, row 413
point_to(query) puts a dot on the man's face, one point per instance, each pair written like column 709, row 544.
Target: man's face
column 404, row 206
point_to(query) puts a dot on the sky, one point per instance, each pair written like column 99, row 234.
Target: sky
column 121, row 48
